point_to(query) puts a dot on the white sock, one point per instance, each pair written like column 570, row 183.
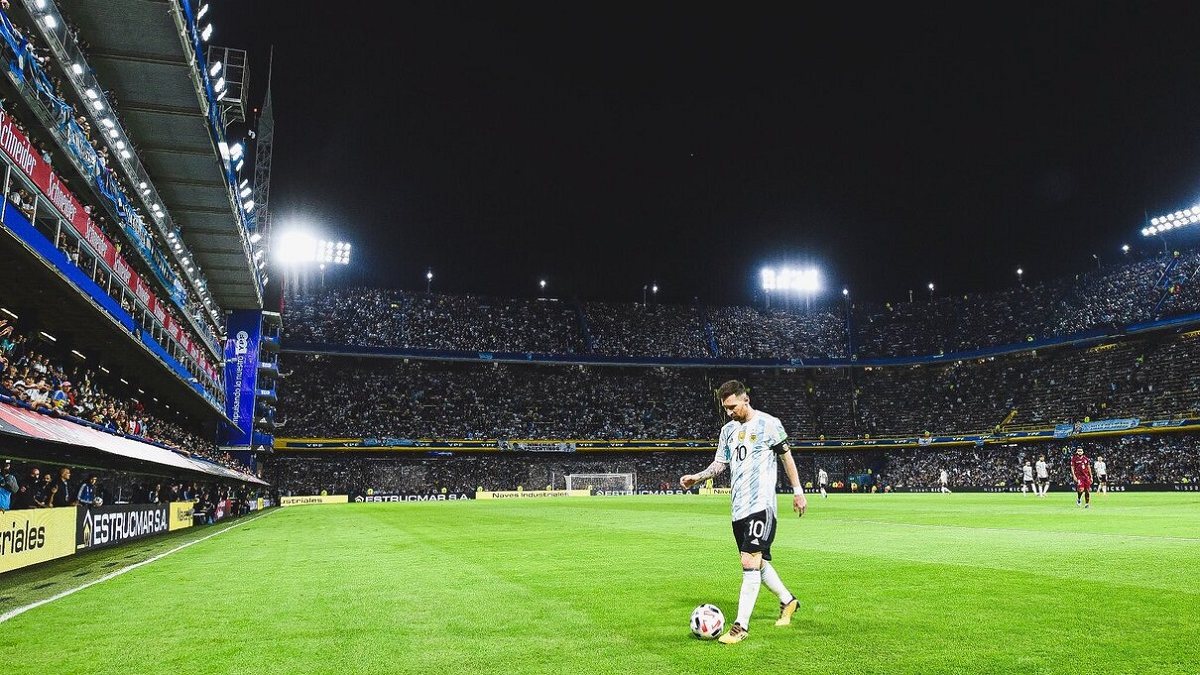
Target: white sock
column 771, row 578
column 751, row 581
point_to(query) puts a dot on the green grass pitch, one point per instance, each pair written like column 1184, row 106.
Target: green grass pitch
column 889, row 583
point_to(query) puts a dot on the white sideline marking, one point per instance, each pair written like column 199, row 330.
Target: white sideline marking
column 58, row 596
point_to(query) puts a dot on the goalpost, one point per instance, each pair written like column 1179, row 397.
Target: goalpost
column 603, row 483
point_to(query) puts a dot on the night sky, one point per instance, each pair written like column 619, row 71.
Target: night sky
column 605, row 148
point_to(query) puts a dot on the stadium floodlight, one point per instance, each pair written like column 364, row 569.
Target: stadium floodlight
column 238, row 166
column 542, row 284
column 805, row 280
column 142, row 185
column 216, row 68
column 1171, row 221
column 91, row 94
column 202, row 12
column 931, row 287
column 249, row 205
column 245, row 192
column 76, row 68
column 125, row 154
column 112, row 133
column 108, row 124
column 292, row 248
column 255, row 238
column 206, row 33
column 98, row 106
column 50, row 21
column 1020, row 271
column 845, row 292
column 220, row 85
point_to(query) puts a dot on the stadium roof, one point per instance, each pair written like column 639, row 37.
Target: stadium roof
column 155, row 81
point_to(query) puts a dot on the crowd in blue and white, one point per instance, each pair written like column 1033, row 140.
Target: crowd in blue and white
column 337, row 396
column 1117, row 295
column 43, row 377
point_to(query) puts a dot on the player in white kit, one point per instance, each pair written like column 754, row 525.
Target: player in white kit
column 751, row 446
column 1043, row 476
column 1027, row 479
column 944, row 479
column 1101, row 475
column 823, row 482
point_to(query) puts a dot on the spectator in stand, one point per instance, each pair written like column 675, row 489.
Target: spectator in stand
column 88, row 491
column 26, row 491
column 43, row 495
column 8, row 486
column 62, row 494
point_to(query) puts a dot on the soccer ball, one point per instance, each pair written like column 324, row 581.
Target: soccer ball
column 707, row 622
column 97, row 502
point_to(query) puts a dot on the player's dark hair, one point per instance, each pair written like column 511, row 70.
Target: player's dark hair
column 730, row 388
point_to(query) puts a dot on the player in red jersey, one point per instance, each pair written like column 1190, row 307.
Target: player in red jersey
column 1081, row 469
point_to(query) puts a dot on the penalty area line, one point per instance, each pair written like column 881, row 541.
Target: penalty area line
column 111, row 575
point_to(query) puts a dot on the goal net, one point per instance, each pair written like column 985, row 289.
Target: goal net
column 602, row 483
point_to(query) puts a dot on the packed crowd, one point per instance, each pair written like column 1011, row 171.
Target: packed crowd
column 749, row 333
column 1148, row 378
column 384, row 318
column 30, row 376
column 1135, row 291
column 339, row 396
column 1158, row 459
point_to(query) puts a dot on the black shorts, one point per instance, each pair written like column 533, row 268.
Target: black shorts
column 1028, row 481
column 1102, row 478
column 755, row 532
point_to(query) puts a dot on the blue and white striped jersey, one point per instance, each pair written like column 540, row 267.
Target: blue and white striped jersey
column 753, row 466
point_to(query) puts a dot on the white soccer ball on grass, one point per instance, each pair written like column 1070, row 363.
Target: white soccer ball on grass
column 707, row 622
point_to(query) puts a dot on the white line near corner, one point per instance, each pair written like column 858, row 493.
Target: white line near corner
column 57, row 596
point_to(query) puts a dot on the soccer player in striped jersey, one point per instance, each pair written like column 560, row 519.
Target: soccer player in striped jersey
column 751, row 446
